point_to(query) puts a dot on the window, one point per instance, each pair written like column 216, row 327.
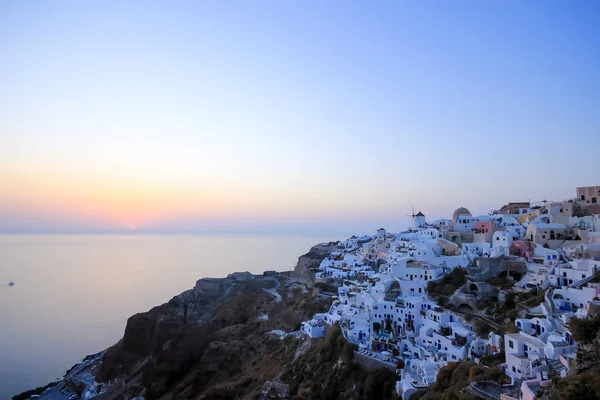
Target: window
column 583, row 197
column 511, row 344
column 514, row 369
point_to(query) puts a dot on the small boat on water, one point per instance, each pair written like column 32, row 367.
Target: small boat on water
column 11, row 284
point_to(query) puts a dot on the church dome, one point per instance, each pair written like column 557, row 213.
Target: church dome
column 460, row 211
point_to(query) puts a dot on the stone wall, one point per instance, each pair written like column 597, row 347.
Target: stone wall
column 370, row 364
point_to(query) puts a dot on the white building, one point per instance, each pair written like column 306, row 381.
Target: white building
column 534, row 326
column 477, row 249
column 523, row 353
column 574, row 300
column 465, row 223
column 501, row 241
column 572, row 272
column 315, row 328
column 420, row 220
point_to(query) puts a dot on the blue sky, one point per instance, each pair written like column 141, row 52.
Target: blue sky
column 314, row 116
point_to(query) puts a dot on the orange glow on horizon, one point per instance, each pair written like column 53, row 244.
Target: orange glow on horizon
column 132, row 203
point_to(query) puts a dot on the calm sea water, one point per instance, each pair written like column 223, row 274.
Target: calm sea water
column 73, row 294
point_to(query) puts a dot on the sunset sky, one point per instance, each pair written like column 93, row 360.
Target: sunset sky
column 290, row 116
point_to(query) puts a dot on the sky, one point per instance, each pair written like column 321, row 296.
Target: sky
column 290, row 116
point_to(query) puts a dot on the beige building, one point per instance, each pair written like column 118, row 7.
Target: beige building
column 460, row 237
column 546, row 234
column 562, row 212
column 588, row 194
column 448, row 248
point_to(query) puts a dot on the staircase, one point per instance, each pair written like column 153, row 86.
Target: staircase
column 549, row 302
column 465, row 352
column 580, row 282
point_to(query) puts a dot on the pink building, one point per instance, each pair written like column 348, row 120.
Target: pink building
column 484, row 231
column 522, row 248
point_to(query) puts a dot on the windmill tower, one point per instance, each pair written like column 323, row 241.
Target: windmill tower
column 413, row 215
column 418, row 219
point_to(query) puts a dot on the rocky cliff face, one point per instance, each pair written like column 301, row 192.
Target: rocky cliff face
column 312, row 259
column 211, row 342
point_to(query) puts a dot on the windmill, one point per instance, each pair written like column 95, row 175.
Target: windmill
column 413, row 215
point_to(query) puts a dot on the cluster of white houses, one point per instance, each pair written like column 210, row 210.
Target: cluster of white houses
column 382, row 303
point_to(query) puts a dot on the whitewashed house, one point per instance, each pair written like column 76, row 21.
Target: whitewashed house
column 315, row 328
column 523, row 353
column 501, row 241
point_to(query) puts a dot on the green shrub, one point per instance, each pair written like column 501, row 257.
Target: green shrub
column 491, row 360
column 448, row 284
column 327, row 371
column 482, row 328
column 584, row 329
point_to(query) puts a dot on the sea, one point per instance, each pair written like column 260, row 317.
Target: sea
column 72, row 294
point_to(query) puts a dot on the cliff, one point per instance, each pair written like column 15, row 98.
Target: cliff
column 225, row 339
column 303, row 270
column 208, row 342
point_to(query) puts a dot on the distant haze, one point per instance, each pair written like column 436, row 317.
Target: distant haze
column 271, row 116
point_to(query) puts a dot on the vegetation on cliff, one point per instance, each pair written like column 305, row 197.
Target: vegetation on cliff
column 448, row 284
column 327, row 371
column 453, row 379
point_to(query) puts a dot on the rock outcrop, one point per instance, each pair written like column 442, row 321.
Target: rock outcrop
column 210, row 342
column 303, row 270
column 469, row 294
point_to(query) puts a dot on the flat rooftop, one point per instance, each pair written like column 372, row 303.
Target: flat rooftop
column 521, row 337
